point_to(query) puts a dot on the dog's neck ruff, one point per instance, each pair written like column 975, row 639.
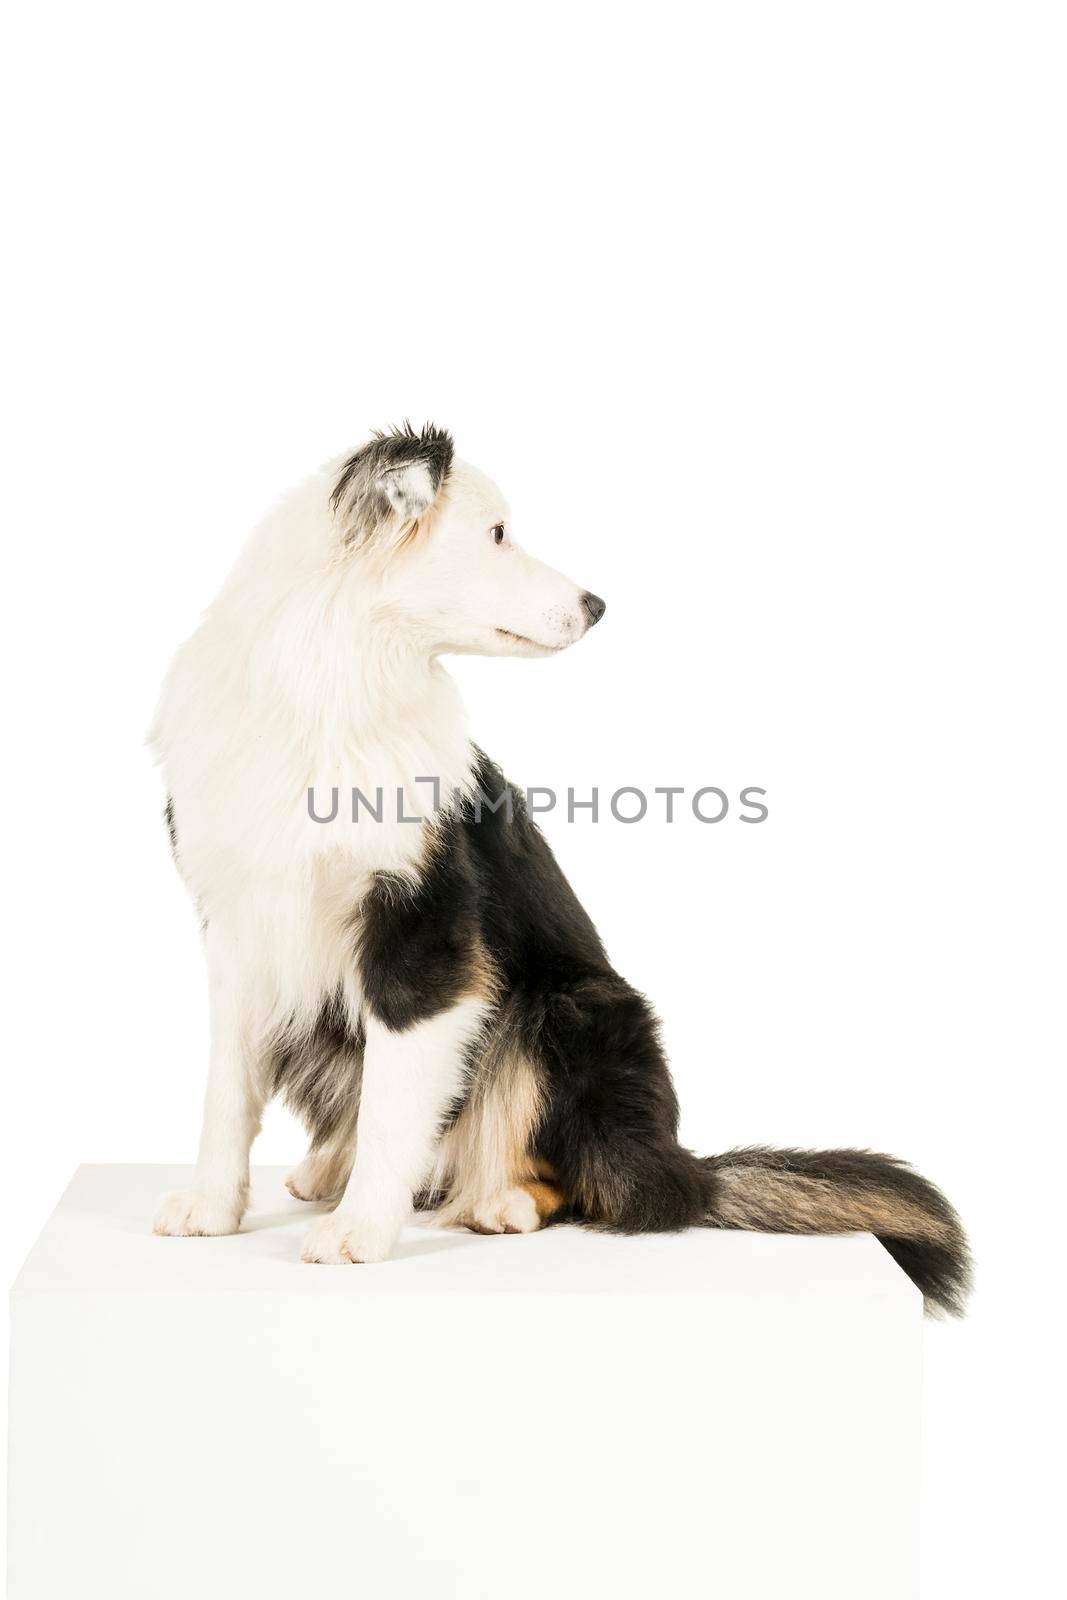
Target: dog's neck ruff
column 258, row 712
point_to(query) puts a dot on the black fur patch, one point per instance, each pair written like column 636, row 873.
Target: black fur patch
column 368, row 493
column 418, row 945
column 172, row 826
column 492, row 913
column 319, row 1072
column 611, row 1118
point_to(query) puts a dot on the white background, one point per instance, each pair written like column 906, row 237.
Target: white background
column 757, row 315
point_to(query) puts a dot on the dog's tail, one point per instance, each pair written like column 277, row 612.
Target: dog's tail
column 845, row 1191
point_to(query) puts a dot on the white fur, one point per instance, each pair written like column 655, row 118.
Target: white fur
column 324, row 1172
column 236, row 1094
column 511, row 1211
column 409, row 1080
column 318, row 666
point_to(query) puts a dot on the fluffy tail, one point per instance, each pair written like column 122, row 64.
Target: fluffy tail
column 845, row 1191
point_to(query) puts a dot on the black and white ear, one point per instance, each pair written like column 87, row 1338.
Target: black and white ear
column 392, row 481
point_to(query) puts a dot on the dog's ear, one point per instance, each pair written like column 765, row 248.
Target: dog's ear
column 391, row 482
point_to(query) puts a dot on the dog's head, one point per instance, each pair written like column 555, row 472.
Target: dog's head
column 437, row 534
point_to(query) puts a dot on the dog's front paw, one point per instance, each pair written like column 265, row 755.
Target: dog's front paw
column 343, row 1237
column 188, row 1212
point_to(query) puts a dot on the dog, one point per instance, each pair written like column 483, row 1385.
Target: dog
column 422, row 986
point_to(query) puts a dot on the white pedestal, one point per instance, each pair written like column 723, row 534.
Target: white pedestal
column 546, row 1417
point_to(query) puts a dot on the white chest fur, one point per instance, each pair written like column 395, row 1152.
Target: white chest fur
column 254, row 717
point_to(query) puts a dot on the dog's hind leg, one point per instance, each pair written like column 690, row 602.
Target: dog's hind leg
column 487, row 1174
column 609, row 1128
column 523, row 1208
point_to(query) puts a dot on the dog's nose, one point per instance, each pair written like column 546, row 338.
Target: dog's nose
column 594, row 607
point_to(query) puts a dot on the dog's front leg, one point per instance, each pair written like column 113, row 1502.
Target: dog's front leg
column 233, row 1106
column 410, row 1078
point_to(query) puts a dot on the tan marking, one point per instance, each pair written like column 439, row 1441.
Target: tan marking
column 791, row 1202
column 546, row 1197
column 487, row 1151
column 482, row 978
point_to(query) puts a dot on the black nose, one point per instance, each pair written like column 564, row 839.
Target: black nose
column 594, row 607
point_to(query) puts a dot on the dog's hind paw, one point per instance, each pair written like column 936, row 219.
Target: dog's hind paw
column 512, row 1211
column 318, row 1177
column 188, row 1213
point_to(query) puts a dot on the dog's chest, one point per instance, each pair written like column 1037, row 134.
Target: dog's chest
column 305, row 930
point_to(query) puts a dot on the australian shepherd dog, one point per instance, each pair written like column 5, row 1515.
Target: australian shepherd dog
column 422, row 986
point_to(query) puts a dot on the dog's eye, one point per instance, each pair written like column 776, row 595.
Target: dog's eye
column 498, row 533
